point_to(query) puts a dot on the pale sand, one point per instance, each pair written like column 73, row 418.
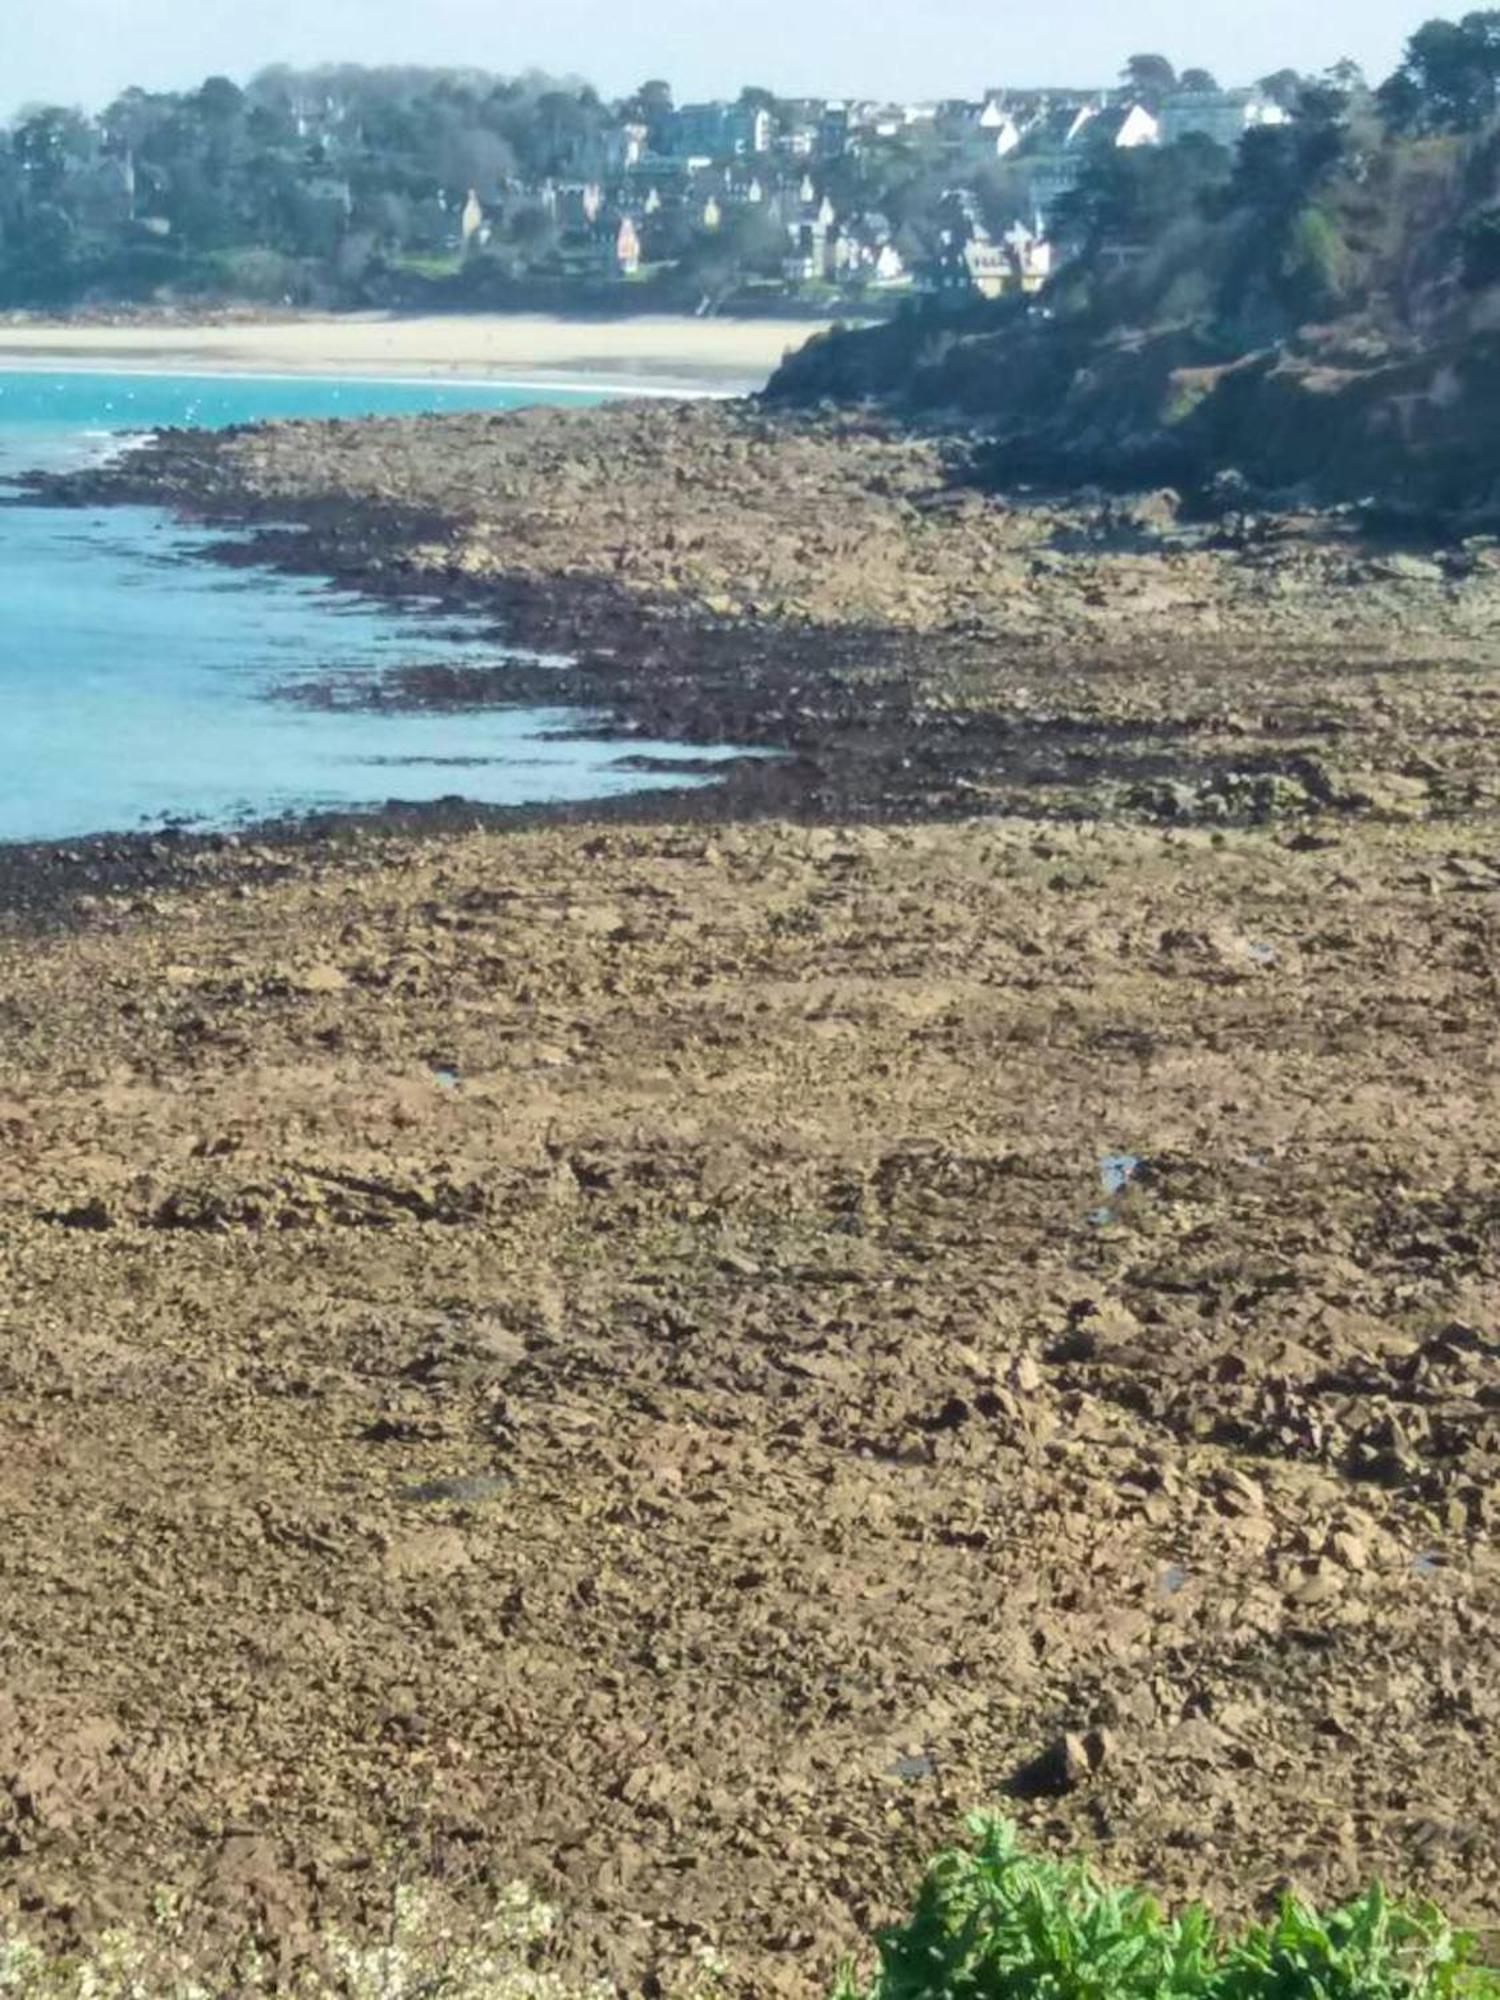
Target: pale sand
column 661, row 352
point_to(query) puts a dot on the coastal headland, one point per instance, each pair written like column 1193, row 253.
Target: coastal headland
column 664, row 1352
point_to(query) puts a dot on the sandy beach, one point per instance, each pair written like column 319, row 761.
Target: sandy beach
column 663, row 351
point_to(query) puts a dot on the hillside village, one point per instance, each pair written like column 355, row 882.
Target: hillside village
column 1016, row 150
column 360, row 186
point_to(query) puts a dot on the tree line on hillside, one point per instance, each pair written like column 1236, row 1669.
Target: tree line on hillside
column 1317, row 311
column 300, row 180
column 359, row 186
column 348, row 185
column 1361, row 196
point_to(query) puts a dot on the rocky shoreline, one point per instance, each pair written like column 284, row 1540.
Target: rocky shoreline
column 666, row 1351
column 839, row 591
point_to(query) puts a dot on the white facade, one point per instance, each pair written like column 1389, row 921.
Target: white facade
column 889, row 267
column 1224, row 116
column 1031, row 254
column 994, row 134
column 1139, row 128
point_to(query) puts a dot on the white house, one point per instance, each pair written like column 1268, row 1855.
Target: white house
column 580, row 204
column 812, row 243
column 1126, row 127
column 889, row 268
column 1224, row 116
column 1060, row 144
column 996, row 133
column 1031, row 255
column 807, row 258
column 622, row 248
column 988, row 264
column 626, row 147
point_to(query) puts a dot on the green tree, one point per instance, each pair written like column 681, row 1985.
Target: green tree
column 1292, row 258
column 1279, row 166
column 221, row 102
column 1283, row 87
column 49, row 146
column 1151, row 77
column 1449, row 78
column 754, row 97
column 1132, row 195
column 1481, row 250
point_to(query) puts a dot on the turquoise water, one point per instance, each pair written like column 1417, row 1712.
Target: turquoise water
column 136, row 683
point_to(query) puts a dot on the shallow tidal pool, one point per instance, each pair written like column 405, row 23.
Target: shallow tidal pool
column 140, row 683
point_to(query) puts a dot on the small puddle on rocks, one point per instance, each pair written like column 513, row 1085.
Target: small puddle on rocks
column 1174, row 1578
column 910, row 1769
column 1116, row 1172
column 444, row 1077
column 1426, row 1563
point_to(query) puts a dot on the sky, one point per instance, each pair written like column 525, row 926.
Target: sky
column 84, row 51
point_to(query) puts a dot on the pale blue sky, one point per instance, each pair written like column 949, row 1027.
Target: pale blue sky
column 82, row 51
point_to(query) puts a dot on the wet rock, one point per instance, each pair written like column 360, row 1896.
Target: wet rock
column 93, row 1215
column 1073, row 1760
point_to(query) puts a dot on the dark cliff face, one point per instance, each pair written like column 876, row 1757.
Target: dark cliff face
column 1054, row 405
column 1324, row 322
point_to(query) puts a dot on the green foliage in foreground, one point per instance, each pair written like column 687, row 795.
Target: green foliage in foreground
column 992, row 1922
